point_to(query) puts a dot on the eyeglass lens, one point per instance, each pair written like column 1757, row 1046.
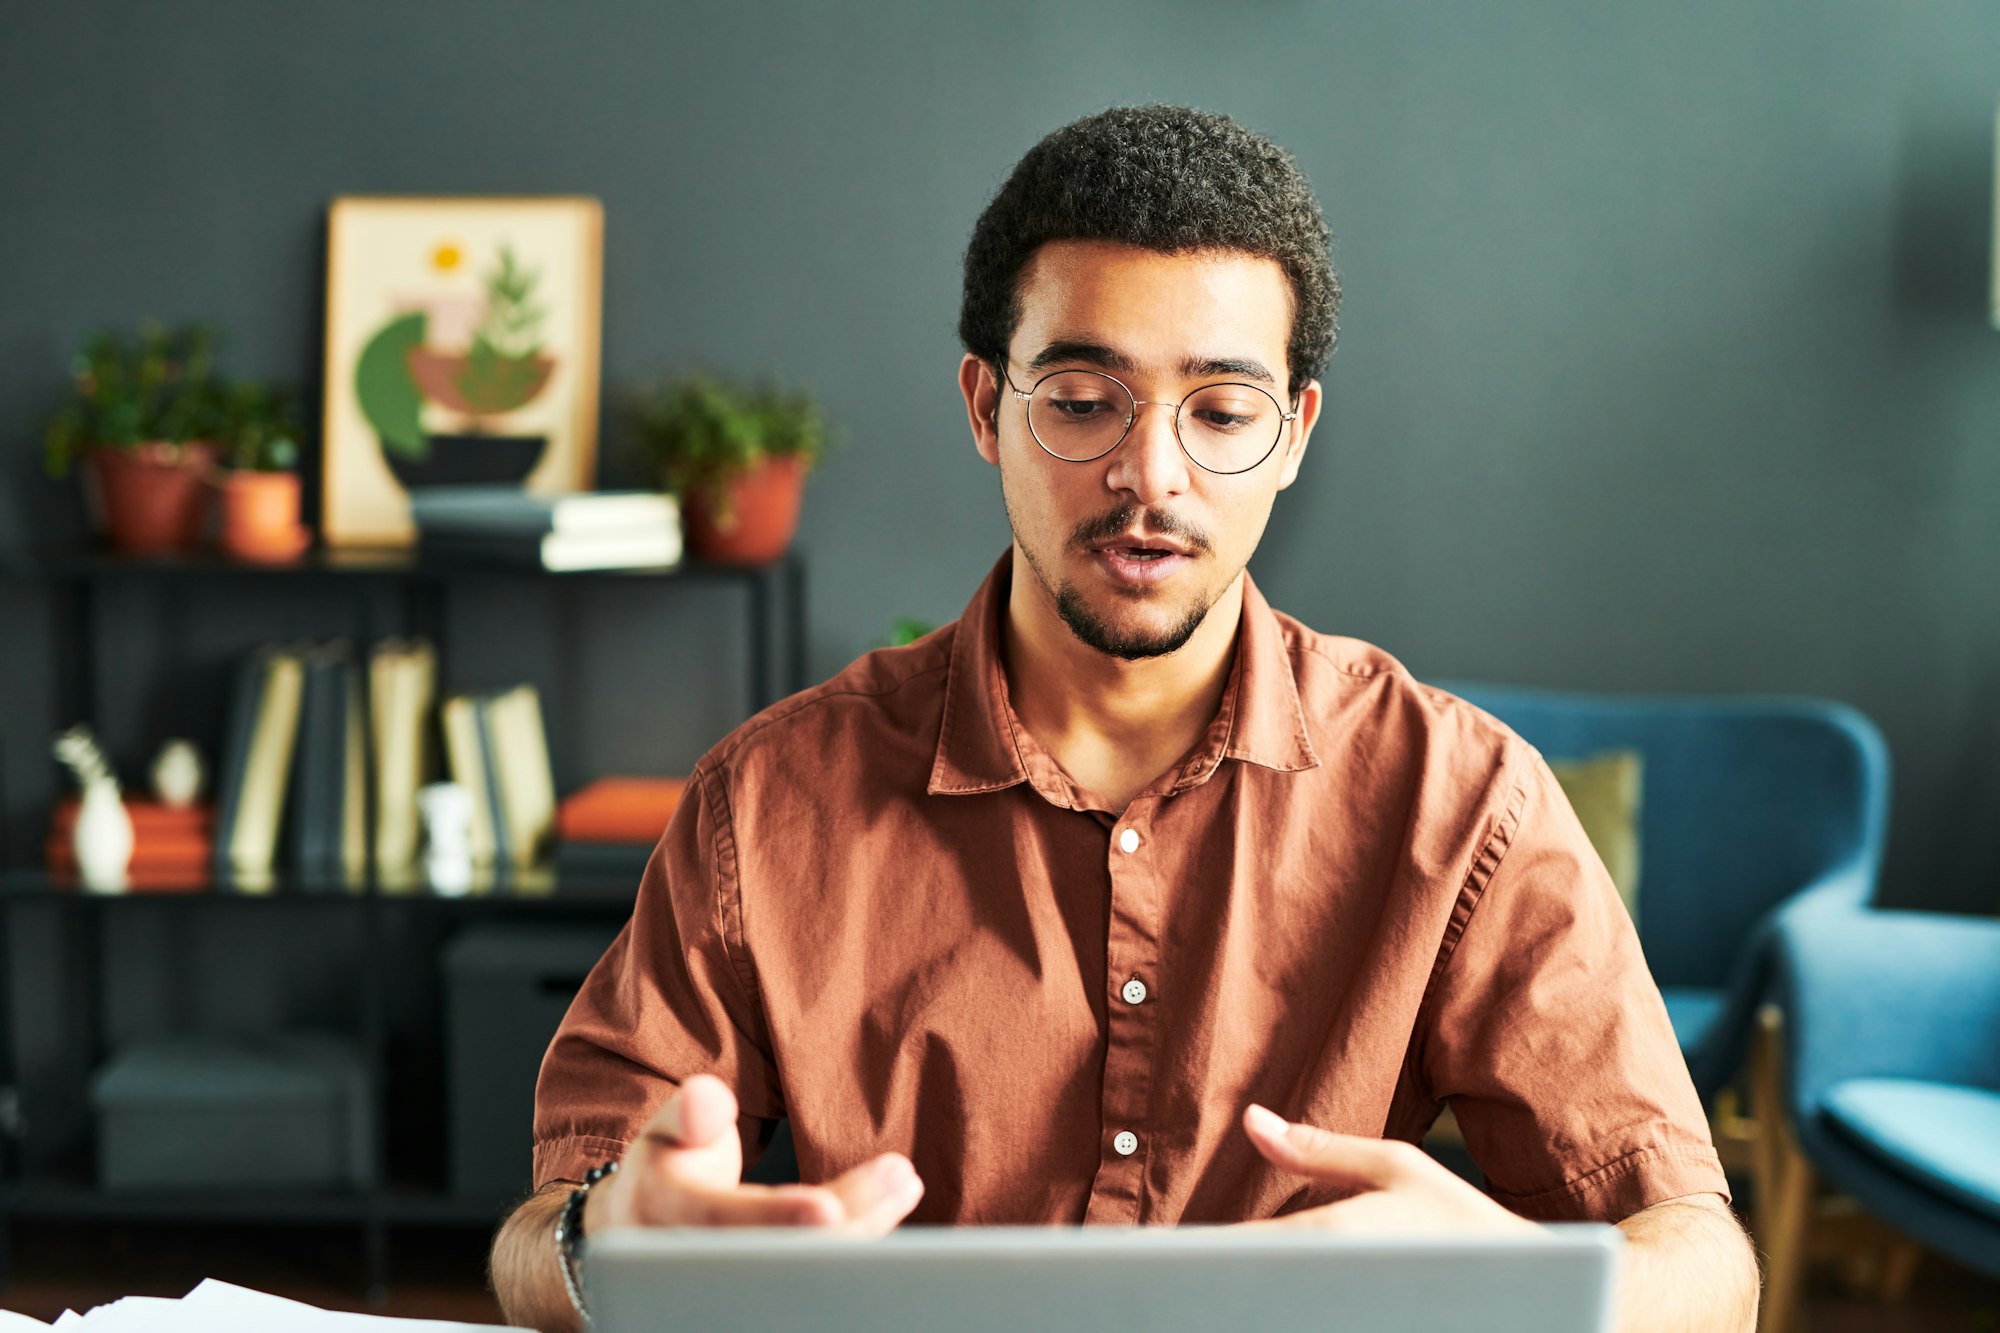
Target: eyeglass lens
column 1079, row 415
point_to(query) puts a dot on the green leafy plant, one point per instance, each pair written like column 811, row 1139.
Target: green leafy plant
column 500, row 372
column 700, row 431
column 258, row 427
column 162, row 387
column 126, row 391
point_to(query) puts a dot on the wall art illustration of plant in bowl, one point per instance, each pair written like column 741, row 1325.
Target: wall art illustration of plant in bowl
column 413, row 370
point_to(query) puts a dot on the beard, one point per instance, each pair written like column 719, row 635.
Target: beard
column 1092, row 629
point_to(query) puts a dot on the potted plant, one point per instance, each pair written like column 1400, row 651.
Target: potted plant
column 738, row 457
column 257, row 428
column 140, row 419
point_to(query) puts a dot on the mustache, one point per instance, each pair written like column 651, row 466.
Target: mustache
column 1159, row 521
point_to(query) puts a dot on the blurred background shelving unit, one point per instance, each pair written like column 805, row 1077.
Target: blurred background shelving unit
column 378, row 941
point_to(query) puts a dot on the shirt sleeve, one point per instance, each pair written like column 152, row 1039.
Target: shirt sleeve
column 673, row 996
column 1547, row 1035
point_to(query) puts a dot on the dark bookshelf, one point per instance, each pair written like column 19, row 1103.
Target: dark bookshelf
column 487, row 890
column 404, row 909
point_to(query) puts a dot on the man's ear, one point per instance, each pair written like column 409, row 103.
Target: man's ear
column 981, row 387
column 1310, row 400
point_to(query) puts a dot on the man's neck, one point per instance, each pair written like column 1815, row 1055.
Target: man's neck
column 1113, row 725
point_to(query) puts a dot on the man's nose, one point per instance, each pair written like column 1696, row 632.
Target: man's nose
column 1148, row 462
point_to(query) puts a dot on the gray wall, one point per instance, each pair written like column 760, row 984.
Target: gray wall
column 1664, row 364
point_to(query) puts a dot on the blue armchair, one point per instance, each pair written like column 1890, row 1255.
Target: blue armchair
column 1748, row 804
column 1891, row 1075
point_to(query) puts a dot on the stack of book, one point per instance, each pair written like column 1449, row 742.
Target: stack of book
column 293, row 775
column 293, row 784
column 606, row 831
column 498, row 751
column 505, row 525
column 172, row 846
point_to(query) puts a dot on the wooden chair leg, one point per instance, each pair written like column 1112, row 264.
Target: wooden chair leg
column 1899, row 1268
column 1784, row 1182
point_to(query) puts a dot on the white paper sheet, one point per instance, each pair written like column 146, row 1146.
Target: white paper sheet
column 221, row 1307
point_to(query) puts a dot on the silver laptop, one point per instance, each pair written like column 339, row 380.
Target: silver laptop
column 1099, row 1280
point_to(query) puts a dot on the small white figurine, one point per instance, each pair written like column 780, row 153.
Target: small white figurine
column 178, row 774
column 447, row 810
column 103, row 836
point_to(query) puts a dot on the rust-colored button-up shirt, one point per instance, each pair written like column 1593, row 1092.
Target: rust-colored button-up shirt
column 884, row 911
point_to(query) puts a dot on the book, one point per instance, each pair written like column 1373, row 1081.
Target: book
column 250, row 843
column 402, row 678
column 519, row 744
column 509, row 511
column 489, row 782
column 499, row 752
column 150, row 818
column 619, row 810
column 318, row 769
column 353, row 835
column 560, row 553
column 172, row 846
column 244, row 693
column 466, row 762
column 328, row 843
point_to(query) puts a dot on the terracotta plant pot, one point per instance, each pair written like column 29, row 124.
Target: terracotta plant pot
column 153, row 498
column 260, row 516
column 763, row 513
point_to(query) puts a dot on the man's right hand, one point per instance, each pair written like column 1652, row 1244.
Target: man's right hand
column 686, row 1170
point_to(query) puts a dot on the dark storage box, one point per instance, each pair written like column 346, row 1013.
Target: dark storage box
column 286, row 1111
column 507, row 990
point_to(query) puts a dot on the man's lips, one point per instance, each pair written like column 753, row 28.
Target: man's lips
column 1139, row 545
column 1138, row 562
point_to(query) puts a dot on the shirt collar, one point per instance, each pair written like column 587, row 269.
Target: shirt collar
column 981, row 746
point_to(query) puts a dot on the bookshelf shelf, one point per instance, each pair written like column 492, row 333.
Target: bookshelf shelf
column 31, row 886
column 71, row 1196
column 385, row 914
column 69, row 561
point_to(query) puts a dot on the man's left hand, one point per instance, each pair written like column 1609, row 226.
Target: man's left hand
column 1402, row 1189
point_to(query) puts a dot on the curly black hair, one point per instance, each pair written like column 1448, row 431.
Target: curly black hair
column 1165, row 178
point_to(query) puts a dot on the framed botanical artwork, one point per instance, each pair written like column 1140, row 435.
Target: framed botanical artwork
column 461, row 347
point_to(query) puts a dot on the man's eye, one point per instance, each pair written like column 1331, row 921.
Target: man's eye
column 1078, row 408
column 1215, row 419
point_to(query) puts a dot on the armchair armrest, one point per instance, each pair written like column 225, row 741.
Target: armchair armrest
column 1847, row 887
column 1888, row 995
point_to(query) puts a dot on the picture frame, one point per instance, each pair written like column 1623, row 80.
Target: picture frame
column 462, row 346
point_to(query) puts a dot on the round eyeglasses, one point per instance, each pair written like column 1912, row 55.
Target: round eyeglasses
column 1082, row 415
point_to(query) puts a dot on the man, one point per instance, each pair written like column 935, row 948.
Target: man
column 1051, row 916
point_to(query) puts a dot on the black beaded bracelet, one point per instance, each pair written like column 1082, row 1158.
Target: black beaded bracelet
column 569, row 1233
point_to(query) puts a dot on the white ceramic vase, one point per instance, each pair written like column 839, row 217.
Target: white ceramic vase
column 447, row 810
column 103, row 837
column 177, row 773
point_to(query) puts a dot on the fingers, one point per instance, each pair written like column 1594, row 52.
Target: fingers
column 877, row 1195
column 686, row 1169
column 865, row 1202
column 700, row 1111
column 691, row 1140
column 1340, row 1159
column 754, row 1206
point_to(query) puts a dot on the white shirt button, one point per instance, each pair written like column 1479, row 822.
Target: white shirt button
column 1134, row 992
column 1128, row 841
column 1126, row 1143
